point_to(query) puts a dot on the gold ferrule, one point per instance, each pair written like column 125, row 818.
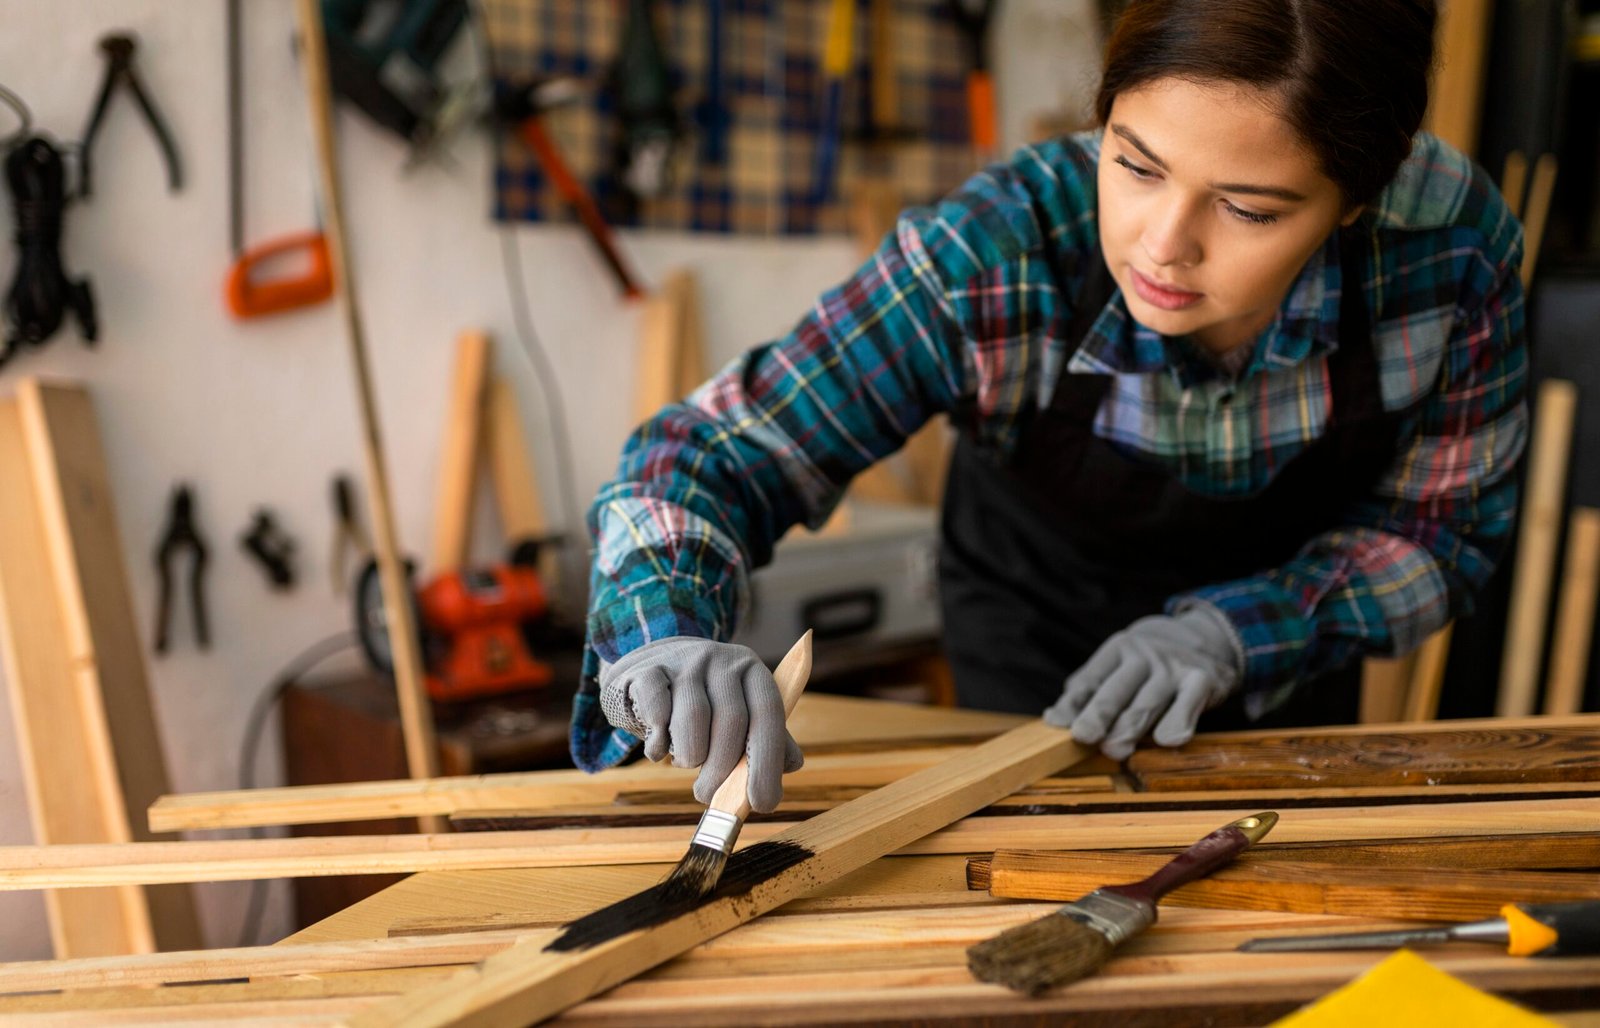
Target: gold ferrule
column 1256, row 825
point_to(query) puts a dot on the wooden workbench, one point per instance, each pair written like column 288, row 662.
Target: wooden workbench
column 886, row 944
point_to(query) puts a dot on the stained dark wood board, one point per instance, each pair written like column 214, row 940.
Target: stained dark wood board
column 1527, row 754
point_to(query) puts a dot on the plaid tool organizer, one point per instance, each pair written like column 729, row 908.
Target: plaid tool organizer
column 773, row 88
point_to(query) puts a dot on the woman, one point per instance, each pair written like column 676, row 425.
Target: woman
column 1239, row 383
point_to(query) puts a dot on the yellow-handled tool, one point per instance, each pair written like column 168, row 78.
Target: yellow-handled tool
column 1527, row 930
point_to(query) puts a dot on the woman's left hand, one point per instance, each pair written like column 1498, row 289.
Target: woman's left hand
column 1169, row 667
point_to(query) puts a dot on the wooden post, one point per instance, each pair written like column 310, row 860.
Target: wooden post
column 416, row 716
column 460, row 452
column 1569, row 654
column 1457, row 89
column 1536, row 551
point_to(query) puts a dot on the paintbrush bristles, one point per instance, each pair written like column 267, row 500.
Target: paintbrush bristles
column 1030, row 958
column 696, row 875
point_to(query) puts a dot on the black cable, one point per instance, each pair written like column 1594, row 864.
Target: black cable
column 24, row 118
column 521, row 310
column 290, row 673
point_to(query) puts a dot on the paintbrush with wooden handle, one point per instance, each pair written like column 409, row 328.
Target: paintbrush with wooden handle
column 700, row 869
column 1074, row 941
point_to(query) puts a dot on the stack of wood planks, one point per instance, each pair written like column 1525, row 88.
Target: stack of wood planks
column 1434, row 822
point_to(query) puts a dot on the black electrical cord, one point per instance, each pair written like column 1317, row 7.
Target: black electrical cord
column 290, row 673
column 521, row 310
column 24, row 118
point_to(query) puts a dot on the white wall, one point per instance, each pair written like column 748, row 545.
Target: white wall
column 264, row 413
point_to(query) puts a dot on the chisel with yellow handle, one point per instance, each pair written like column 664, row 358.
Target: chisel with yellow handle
column 1526, row 929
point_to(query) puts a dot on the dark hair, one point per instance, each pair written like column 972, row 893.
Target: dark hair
column 1352, row 74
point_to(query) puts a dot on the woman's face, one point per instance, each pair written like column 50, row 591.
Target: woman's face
column 1209, row 207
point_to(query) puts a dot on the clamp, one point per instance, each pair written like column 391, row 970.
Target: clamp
column 181, row 533
column 272, row 547
column 349, row 538
column 119, row 49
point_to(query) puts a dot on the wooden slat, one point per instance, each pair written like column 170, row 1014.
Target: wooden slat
column 527, row 983
column 460, row 453
column 820, row 721
column 516, row 487
column 67, row 866
column 1569, row 654
column 1457, row 89
column 1318, row 758
column 1539, row 197
column 1427, row 676
column 74, row 484
column 1384, row 683
column 311, row 804
column 1435, row 893
column 74, row 794
column 1542, row 509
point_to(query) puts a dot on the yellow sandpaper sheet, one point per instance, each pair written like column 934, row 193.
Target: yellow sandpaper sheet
column 1407, row 990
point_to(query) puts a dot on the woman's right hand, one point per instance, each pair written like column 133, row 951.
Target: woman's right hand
column 704, row 704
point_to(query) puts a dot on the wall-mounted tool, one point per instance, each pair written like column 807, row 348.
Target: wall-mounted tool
column 524, row 109
column 181, row 533
column 272, row 548
column 41, row 294
column 711, row 114
column 837, row 57
column 349, row 537
column 382, row 55
column 975, row 18
column 119, row 49
column 249, row 291
column 649, row 126
column 474, row 627
column 1525, row 929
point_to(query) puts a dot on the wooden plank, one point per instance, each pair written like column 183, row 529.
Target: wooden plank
column 671, row 353
column 85, row 545
column 1318, row 757
column 252, row 961
column 1436, row 893
column 460, row 453
column 1427, row 676
column 63, row 740
column 1542, row 510
column 1539, row 196
column 1492, row 852
column 1457, row 89
column 528, row 983
column 1569, row 656
column 1384, row 683
column 354, row 801
column 80, row 866
column 516, row 487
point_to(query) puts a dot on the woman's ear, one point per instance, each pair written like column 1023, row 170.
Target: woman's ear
column 1351, row 215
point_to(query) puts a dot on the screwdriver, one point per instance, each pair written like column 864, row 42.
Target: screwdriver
column 1527, row 929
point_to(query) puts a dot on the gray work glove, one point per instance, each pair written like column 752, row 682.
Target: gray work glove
column 1172, row 668
column 704, row 704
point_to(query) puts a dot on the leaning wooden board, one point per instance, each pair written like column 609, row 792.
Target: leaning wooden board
column 880, row 945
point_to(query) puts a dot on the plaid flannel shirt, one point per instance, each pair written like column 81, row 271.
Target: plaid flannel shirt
column 966, row 301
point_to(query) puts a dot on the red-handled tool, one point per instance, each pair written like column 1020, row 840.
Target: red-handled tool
column 975, row 18
column 251, row 289
column 524, row 109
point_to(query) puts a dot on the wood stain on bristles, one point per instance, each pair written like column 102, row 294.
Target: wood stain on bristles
column 1040, row 955
column 671, row 899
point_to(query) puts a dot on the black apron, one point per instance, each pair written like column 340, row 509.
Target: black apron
column 1047, row 554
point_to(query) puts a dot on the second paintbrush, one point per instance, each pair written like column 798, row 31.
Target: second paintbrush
column 700, row 869
column 1074, row 941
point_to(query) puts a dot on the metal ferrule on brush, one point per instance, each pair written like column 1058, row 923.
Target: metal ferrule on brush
column 718, row 830
column 1113, row 915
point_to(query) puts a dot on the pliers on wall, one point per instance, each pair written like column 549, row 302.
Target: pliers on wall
column 119, row 49
column 181, row 533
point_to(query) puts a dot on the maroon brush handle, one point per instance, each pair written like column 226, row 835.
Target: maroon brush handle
column 1195, row 862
